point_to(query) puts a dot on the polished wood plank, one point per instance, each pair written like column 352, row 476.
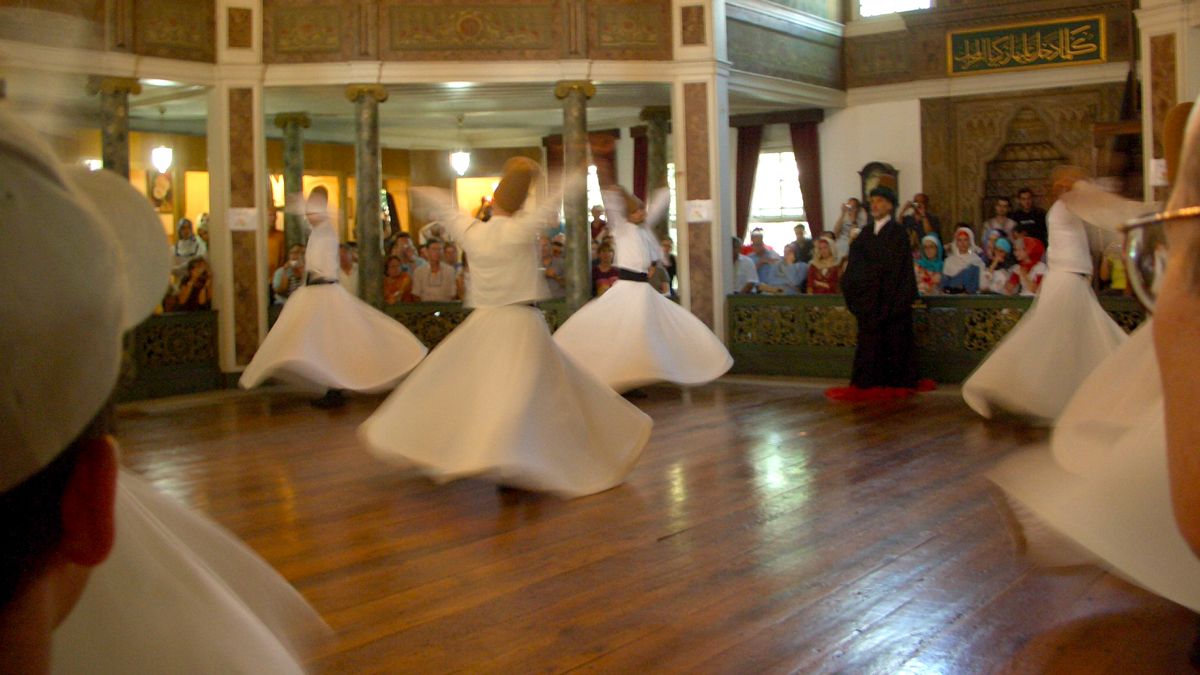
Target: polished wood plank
column 765, row 530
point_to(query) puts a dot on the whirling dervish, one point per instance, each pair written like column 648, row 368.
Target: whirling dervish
column 1065, row 334
column 1102, row 490
column 633, row 335
column 326, row 338
column 526, row 415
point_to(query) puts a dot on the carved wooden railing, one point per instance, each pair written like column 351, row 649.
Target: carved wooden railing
column 815, row 335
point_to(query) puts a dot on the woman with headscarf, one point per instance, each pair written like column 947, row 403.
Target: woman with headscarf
column 525, row 415
column 327, row 339
column 1025, row 277
column 632, row 335
column 1065, row 334
column 929, row 266
column 963, row 269
column 825, row 268
column 995, row 277
column 989, row 241
column 187, row 246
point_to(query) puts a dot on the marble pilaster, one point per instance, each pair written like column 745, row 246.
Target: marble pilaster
column 656, row 118
column 574, row 95
column 114, row 119
column 244, row 244
column 368, row 172
column 293, row 125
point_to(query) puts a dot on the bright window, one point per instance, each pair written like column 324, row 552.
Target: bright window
column 879, row 7
column 777, row 206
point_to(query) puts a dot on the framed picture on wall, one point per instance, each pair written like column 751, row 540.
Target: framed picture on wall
column 161, row 190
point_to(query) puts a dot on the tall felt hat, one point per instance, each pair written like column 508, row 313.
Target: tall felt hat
column 518, row 175
column 84, row 259
column 886, row 188
column 1174, row 126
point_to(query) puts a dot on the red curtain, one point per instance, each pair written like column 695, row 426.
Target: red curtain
column 808, row 161
column 749, row 144
column 641, row 161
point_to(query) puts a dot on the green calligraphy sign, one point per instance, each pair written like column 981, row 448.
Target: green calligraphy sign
column 1041, row 44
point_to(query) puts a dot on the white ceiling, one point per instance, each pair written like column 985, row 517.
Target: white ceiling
column 415, row 116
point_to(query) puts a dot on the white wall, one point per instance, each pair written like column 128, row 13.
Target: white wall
column 624, row 166
column 852, row 137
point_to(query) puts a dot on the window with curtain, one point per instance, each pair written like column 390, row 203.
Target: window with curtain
column 777, row 205
column 868, row 8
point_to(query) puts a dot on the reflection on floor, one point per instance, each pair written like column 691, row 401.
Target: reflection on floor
column 765, row 530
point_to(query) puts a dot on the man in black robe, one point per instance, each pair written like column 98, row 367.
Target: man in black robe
column 880, row 286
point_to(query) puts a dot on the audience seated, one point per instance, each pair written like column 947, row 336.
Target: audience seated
column 195, row 290
column 995, row 278
column 397, row 284
column 669, row 262
column 1001, row 221
column 929, row 266
column 963, row 269
column 745, row 277
column 826, row 267
column 760, row 254
column 289, row 277
column 784, row 276
column 604, row 274
column 1026, row 276
column 435, row 281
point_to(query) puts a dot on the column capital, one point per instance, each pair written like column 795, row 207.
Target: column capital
column 357, row 91
column 655, row 113
column 112, row 85
column 284, row 120
column 563, row 88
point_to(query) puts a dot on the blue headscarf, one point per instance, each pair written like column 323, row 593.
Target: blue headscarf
column 933, row 265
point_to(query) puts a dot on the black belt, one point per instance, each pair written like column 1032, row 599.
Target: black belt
column 319, row 281
column 629, row 275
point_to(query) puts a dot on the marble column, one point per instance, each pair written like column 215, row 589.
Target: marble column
column 574, row 95
column 293, row 171
column 368, row 172
column 1170, row 48
column 656, row 118
column 114, row 119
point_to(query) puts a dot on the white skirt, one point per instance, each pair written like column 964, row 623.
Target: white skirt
column 179, row 595
column 1038, row 366
column 633, row 336
column 326, row 338
column 497, row 399
column 1101, row 487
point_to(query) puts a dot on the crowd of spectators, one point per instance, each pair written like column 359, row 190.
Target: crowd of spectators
column 1004, row 258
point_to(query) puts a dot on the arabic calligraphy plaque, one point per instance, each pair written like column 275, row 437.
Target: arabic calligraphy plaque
column 1042, row 44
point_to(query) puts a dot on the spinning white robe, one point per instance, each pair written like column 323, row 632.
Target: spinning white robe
column 521, row 412
column 326, row 338
column 633, row 335
column 1102, row 482
column 1065, row 334
column 179, row 595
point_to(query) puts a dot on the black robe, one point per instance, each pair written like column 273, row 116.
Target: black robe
column 880, row 286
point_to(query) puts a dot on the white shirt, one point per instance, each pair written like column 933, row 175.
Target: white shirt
column 881, row 222
column 503, row 252
column 1068, row 249
column 321, row 253
column 431, row 287
column 744, row 272
column 636, row 246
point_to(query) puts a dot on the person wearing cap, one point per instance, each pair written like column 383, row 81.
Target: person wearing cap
column 526, row 415
column 79, row 531
column 327, row 339
column 880, row 286
column 633, row 336
column 1065, row 333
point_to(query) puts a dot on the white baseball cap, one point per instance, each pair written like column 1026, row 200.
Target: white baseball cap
column 84, row 258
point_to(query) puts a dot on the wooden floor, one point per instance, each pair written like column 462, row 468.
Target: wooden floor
column 765, row 530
